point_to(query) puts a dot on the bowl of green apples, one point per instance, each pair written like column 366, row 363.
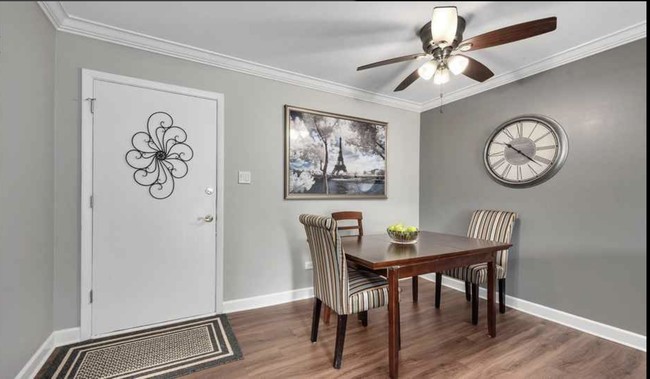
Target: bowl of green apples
column 403, row 234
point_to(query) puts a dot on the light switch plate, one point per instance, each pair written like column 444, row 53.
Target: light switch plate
column 244, row 177
column 308, row 265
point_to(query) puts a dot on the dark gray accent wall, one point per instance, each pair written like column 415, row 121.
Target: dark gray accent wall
column 26, row 182
column 580, row 242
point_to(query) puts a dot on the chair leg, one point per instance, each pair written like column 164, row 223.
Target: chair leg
column 340, row 339
column 468, row 294
column 414, row 281
column 315, row 319
column 438, row 288
column 326, row 315
column 502, row 295
column 474, row 303
column 363, row 317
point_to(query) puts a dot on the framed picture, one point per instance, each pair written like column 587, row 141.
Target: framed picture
column 332, row 156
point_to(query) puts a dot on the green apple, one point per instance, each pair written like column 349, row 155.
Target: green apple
column 411, row 229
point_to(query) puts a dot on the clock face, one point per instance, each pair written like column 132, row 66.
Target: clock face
column 525, row 151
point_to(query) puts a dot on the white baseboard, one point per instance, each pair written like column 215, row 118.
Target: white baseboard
column 586, row 325
column 36, row 361
column 267, row 300
column 56, row 339
column 66, row 336
column 270, row 299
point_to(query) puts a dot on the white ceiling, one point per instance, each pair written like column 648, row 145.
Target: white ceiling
column 328, row 40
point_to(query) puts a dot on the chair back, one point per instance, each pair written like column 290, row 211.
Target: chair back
column 350, row 215
column 331, row 283
column 496, row 226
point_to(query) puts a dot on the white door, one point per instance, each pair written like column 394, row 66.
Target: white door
column 154, row 187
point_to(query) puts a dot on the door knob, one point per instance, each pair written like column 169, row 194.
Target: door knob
column 208, row 218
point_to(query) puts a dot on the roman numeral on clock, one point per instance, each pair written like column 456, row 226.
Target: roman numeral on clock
column 545, row 134
column 506, row 170
column 542, row 159
column 507, row 132
column 498, row 163
column 533, row 131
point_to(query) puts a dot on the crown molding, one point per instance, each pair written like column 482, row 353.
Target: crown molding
column 64, row 22
column 54, row 11
column 610, row 41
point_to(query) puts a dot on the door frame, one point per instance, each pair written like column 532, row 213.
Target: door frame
column 88, row 77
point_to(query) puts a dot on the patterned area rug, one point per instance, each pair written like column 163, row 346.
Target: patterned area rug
column 164, row 352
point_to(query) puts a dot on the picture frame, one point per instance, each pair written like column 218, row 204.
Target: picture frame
column 333, row 156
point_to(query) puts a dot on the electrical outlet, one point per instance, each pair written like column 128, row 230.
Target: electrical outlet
column 308, row 265
column 244, row 177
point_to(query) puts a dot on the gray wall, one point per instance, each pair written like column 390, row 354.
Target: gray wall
column 580, row 244
column 26, row 182
column 263, row 239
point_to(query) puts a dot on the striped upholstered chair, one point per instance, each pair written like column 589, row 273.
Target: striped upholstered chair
column 489, row 225
column 345, row 290
column 345, row 216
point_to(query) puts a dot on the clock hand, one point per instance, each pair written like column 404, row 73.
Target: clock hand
column 520, row 152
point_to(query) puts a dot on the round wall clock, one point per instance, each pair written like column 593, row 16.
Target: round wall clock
column 525, row 151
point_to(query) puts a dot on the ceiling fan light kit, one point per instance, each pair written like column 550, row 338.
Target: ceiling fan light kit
column 441, row 76
column 442, row 41
column 427, row 70
column 457, row 64
column 444, row 22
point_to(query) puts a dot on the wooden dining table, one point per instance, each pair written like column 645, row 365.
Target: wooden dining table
column 433, row 252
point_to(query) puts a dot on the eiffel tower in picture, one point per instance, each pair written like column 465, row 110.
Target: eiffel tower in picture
column 340, row 165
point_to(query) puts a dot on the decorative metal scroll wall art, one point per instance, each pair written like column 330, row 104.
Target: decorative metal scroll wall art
column 159, row 155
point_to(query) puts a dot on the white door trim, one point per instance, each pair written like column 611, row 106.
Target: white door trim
column 87, row 79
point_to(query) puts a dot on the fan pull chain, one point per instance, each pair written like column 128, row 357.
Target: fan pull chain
column 441, row 90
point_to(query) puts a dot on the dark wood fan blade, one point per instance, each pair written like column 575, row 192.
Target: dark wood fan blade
column 391, row 61
column 477, row 70
column 408, row 81
column 512, row 33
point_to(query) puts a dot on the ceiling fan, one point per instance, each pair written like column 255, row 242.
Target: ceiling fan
column 442, row 42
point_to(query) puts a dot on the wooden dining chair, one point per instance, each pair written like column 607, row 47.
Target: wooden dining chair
column 345, row 216
column 491, row 225
column 351, row 216
column 344, row 289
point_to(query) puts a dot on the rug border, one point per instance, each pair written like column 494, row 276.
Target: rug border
column 55, row 359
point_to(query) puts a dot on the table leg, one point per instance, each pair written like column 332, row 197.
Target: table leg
column 492, row 310
column 414, row 287
column 393, row 322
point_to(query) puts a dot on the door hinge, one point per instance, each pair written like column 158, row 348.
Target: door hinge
column 92, row 201
column 91, row 296
column 92, row 104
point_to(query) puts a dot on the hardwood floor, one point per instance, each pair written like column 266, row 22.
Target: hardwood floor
column 435, row 343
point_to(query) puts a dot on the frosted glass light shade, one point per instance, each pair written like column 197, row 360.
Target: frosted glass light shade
column 427, row 70
column 444, row 22
column 441, row 76
column 457, row 64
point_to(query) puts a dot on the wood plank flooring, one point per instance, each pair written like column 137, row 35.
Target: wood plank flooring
column 435, row 343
